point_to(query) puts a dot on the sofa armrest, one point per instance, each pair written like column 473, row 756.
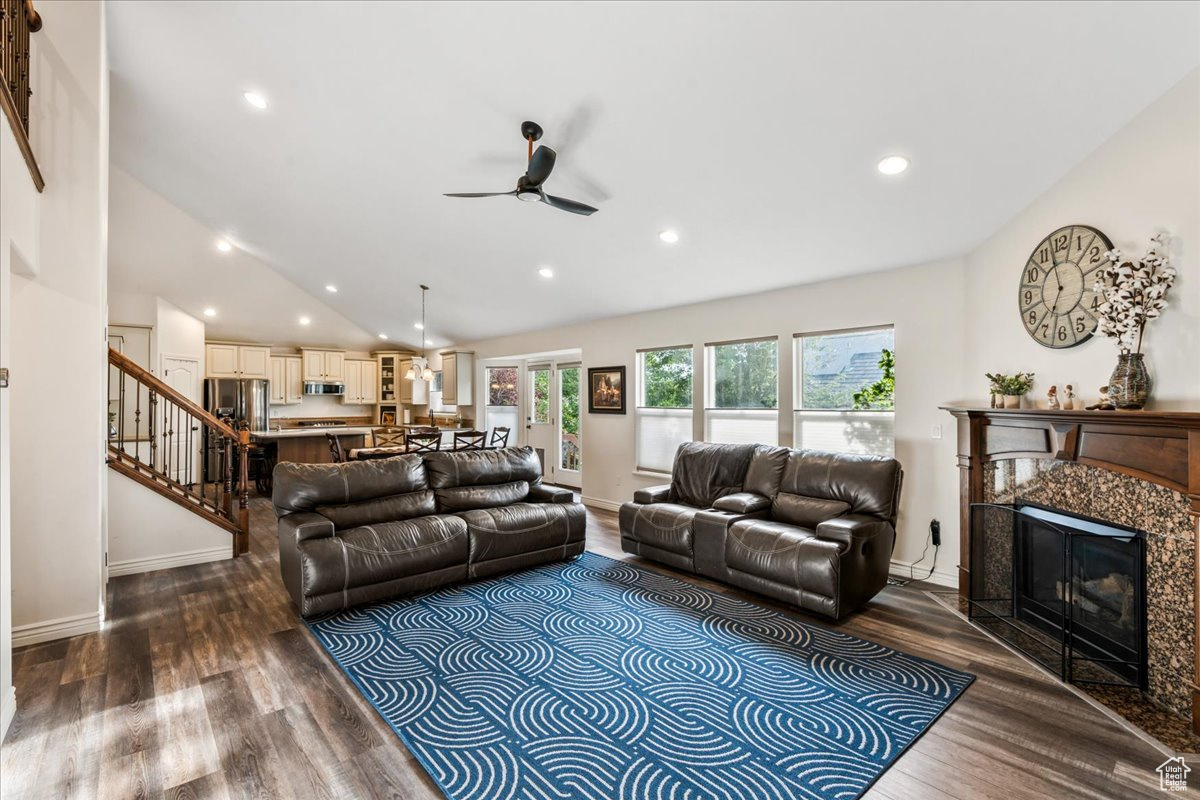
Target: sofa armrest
column 652, row 494
column 550, row 494
column 300, row 527
column 855, row 528
column 742, row 503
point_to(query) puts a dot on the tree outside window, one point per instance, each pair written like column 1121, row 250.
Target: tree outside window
column 502, row 386
column 745, row 375
column 667, row 378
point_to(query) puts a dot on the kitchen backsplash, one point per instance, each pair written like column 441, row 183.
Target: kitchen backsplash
column 322, row 406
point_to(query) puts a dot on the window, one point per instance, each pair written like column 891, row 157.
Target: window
column 570, row 445
column 845, row 391
column 742, row 392
column 664, row 406
column 501, row 410
column 539, row 395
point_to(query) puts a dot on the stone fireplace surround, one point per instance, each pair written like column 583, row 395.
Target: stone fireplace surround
column 1138, row 469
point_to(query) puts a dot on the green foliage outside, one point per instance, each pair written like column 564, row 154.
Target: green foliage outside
column 570, row 400
column 746, row 375
column 880, row 395
column 667, row 378
column 541, row 395
column 502, row 386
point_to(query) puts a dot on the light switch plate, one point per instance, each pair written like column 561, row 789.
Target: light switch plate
column 935, row 432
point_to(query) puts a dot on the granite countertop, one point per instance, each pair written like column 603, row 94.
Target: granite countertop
column 296, row 433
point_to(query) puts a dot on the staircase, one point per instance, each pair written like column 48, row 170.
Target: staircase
column 170, row 445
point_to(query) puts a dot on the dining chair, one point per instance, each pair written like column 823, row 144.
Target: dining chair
column 499, row 437
column 335, row 448
column 470, row 440
column 423, row 442
column 387, row 437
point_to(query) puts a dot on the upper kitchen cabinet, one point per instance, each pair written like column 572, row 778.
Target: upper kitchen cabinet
column 458, row 378
column 414, row 392
column 326, row 366
column 236, row 361
column 287, row 387
column 361, row 383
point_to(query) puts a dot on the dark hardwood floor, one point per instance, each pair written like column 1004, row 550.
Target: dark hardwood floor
column 204, row 683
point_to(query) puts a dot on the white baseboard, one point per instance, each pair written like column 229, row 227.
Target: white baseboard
column 61, row 628
column 603, row 505
column 941, row 577
column 169, row 561
column 8, row 710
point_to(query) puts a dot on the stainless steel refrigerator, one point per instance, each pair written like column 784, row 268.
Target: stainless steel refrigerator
column 245, row 400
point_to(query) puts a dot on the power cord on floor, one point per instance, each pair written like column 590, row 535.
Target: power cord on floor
column 912, row 567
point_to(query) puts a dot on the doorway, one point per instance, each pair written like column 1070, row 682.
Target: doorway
column 553, row 424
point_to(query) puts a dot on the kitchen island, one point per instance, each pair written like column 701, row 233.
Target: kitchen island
column 309, row 445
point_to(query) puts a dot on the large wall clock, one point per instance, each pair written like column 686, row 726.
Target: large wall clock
column 1056, row 296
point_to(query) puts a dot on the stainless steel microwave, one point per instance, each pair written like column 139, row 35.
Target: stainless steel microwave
column 318, row 387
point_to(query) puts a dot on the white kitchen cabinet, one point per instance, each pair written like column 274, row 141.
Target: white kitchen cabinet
column 326, row 366
column 254, row 362
column 414, row 392
column 370, row 382
column 458, row 378
column 287, row 388
column 361, row 383
column 294, row 391
column 221, row 360
column 237, row 361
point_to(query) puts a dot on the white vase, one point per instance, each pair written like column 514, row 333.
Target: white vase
column 1012, row 401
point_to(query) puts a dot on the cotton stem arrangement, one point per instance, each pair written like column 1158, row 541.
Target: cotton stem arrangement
column 1135, row 292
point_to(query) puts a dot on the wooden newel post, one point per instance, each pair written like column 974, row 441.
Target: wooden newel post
column 242, row 540
column 227, row 474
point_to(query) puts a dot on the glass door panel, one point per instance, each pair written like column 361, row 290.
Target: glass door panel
column 570, row 441
column 539, row 427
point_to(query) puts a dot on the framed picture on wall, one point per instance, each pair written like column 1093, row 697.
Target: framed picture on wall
column 606, row 390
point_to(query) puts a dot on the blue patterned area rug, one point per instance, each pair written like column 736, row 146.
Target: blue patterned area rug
column 598, row 679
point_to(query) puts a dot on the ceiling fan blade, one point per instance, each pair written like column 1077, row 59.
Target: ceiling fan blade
column 540, row 166
column 478, row 194
column 569, row 205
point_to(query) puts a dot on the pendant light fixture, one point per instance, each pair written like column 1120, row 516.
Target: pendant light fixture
column 420, row 364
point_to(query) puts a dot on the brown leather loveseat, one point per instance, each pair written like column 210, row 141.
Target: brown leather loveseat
column 813, row 529
column 362, row 531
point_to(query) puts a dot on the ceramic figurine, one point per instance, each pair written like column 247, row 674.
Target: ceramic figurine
column 1052, row 398
column 1105, row 404
column 1069, row 400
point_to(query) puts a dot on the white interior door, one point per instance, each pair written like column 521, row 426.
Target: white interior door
column 182, row 373
column 540, row 417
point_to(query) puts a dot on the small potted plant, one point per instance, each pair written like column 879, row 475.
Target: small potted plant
column 1135, row 292
column 1011, row 387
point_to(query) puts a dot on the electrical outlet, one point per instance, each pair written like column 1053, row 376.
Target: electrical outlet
column 935, row 432
column 935, row 533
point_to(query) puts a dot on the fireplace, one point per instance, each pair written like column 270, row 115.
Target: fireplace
column 1067, row 590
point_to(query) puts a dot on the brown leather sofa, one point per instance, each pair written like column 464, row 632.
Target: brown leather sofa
column 368, row 530
column 810, row 528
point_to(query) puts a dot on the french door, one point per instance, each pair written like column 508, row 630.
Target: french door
column 553, row 422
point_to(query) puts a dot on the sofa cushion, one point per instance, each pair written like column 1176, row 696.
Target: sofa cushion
column 783, row 553
column 483, row 467
column 766, row 470
column 868, row 484
column 522, row 528
column 465, row 498
column 387, row 551
column 302, row 487
column 667, row 526
column 808, row 512
column 704, row 472
column 380, row 509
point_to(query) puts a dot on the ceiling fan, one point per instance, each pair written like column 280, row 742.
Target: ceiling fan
column 529, row 185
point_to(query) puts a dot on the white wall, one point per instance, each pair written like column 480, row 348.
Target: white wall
column 929, row 346
column 1143, row 180
column 149, row 532
column 52, row 251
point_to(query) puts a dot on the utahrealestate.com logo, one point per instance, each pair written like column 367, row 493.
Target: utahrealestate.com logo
column 1172, row 775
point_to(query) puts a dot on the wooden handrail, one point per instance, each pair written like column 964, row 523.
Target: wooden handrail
column 17, row 20
column 32, row 17
column 142, row 375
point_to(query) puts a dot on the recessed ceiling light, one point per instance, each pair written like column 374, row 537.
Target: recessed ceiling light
column 305, row 320
column 429, row 341
column 546, row 272
column 255, row 99
column 210, row 312
column 329, row 287
column 223, row 245
column 670, row 237
column 419, row 326
column 893, row 165
column 383, row 336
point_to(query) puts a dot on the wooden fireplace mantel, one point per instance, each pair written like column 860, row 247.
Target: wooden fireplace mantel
column 1161, row 447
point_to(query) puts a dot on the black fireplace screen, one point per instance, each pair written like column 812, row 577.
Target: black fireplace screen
column 1067, row 591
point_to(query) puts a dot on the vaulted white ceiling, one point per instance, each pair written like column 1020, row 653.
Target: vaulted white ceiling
column 752, row 129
